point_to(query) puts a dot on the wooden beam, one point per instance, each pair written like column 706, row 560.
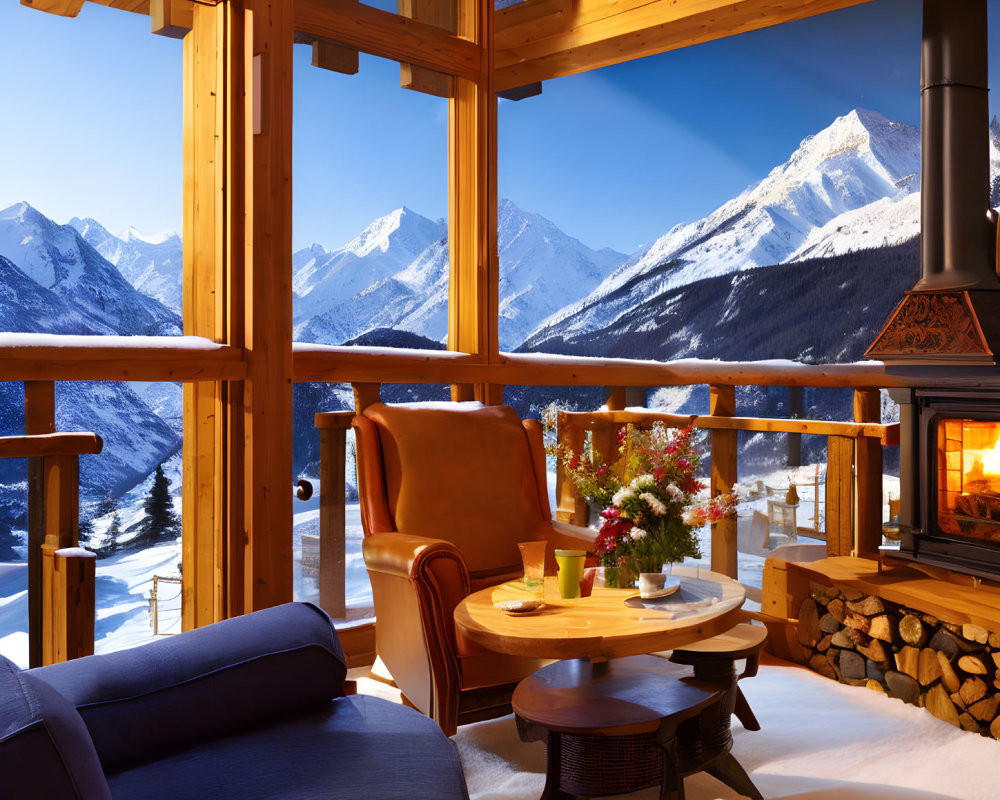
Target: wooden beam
column 335, row 57
column 373, row 365
column 441, row 14
column 521, row 92
column 267, row 259
column 388, row 35
column 542, row 39
column 171, row 18
column 205, row 588
column 116, row 358
column 472, row 204
column 62, row 8
column 50, row 444
column 722, row 403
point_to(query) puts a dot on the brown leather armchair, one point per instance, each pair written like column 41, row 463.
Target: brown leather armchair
column 446, row 493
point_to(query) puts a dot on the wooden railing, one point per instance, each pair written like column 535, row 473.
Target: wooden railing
column 61, row 579
column 854, row 462
column 854, row 459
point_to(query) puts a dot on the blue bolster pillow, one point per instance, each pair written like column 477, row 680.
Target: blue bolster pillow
column 171, row 694
column 45, row 750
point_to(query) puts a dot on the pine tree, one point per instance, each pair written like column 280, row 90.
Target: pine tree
column 160, row 522
column 110, row 546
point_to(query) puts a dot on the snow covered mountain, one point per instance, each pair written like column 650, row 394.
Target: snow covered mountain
column 153, row 265
column 812, row 204
column 58, row 259
column 541, row 268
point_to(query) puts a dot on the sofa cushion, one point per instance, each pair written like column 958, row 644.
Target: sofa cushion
column 352, row 747
column 170, row 694
column 45, row 750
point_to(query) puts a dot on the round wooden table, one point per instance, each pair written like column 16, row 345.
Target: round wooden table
column 614, row 727
column 602, row 626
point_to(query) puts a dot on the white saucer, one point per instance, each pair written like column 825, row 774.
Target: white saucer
column 670, row 586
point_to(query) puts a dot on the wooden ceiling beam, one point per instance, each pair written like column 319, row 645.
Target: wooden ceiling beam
column 388, row 35
column 542, row 39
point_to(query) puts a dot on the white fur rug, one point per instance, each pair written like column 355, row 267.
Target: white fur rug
column 819, row 740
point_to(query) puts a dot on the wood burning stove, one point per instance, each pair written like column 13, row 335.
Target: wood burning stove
column 952, row 508
column 947, row 328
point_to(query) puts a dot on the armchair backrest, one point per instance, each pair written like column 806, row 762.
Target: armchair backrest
column 472, row 475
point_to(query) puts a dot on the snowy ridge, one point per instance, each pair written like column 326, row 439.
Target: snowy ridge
column 405, row 260
column 152, row 264
column 859, row 159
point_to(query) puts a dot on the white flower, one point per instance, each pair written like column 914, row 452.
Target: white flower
column 691, row 519
column 643, row 482
column 654, row 503
column 636, row 534
column 621, row 496
column 675, row 493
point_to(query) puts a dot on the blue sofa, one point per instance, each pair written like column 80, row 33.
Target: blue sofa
column 252, row 707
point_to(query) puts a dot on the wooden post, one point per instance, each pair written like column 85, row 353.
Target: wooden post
column 571, row 507
column 868, row 455
column 212, row 565
column 472, row 204
column 366, row 394
column 795, row 411
column 69, row 600
column 39, row 418
column 332, row 530
column 839, row 496
column 722, row 403
column 63, row 587
column 263, row 85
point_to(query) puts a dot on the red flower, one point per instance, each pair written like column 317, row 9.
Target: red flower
column 692, row 485
column 659, row 473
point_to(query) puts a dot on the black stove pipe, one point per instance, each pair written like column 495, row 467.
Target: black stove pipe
column 957, row 232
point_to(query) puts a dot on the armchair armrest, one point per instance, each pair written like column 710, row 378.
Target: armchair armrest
column 416, row 583
column 404, row 555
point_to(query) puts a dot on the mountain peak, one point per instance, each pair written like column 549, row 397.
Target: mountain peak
column 402, row 226
column 20, row 212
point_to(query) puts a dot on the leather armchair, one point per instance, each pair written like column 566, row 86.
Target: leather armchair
column 447, row 491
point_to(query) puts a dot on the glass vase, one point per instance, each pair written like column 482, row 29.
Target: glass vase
column 623, row 577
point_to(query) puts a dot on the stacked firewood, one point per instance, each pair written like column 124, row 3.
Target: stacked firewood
column 951, row 670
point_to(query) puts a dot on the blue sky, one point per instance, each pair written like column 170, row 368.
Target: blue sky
column 615, row 157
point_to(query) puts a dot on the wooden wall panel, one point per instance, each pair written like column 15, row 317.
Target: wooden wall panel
column 839, row 496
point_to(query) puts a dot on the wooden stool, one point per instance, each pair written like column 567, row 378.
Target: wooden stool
column 714, row 660
column 616, row 726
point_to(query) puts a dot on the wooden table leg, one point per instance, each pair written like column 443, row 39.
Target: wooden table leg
column 728, row 770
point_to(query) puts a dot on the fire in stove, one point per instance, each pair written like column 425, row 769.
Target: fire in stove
column 968, row 468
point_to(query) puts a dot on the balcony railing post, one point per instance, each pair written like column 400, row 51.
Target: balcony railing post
column 571, row 506
column 868, row 458
column 69, row 598
column 67, row 571
column 722, row 403
column 333, row 428
column 39, row 418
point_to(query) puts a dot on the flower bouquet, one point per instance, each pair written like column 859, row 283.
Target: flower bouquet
column 650, row 499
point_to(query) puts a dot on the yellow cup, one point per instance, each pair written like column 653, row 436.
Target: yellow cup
column 570, row 566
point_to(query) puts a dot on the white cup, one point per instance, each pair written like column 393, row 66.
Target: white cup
column 650, row 583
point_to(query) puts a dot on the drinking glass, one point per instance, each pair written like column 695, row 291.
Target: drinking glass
column 533, row 558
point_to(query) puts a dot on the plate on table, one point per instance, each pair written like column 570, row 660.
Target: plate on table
column 520, row 608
